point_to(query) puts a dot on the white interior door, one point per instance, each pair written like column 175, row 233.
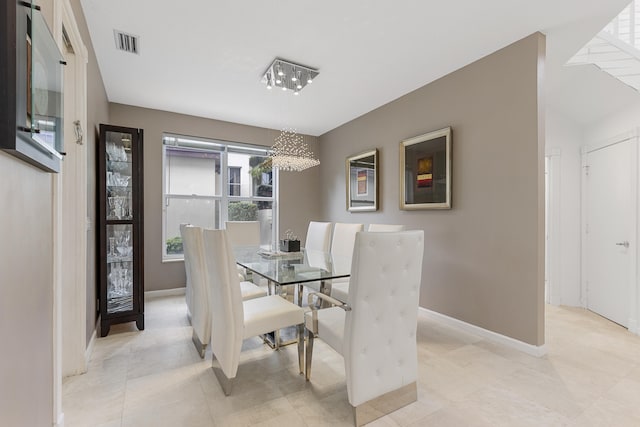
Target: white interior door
column 69, row 213
column 610, row 240
column 546, row 230
column 73, row 231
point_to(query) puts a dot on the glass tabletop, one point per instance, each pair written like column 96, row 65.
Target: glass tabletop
column 286, row 268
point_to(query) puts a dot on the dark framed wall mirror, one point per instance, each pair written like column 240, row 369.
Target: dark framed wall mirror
column 362, row 182
column 31, row 87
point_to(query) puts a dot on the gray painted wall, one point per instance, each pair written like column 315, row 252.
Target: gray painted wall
column 299, row 199
column 484, row 258
column 26, row 289
column 97, row 112
column 26, row 294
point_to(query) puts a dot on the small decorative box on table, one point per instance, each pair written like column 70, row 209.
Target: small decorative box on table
column 289, row 245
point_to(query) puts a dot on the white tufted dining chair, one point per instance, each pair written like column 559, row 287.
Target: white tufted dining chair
column 344, row 237
column 243, row 233
column 385, row 227
column 375, row 331
column 318, row 236
column 233, row 319
column 318, row 241
column 199, row 295
column 341, row 249
column 200, row 302
column 188, row 288
column 340, row 288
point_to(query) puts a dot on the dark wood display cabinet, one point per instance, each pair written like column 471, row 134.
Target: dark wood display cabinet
column 120, row 231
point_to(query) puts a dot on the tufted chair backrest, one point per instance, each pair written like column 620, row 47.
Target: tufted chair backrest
column 196, row 270
column 227, row 315
column 318, row 236
column 188, row 297
column 344, row 237
column 385, row 227
column 379, row 345
column 243, row 233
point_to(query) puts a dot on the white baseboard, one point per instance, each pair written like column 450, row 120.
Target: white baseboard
column 60, row 421
column 89, row 351
column 164, row 293
column 532, row 350
column 633, row 327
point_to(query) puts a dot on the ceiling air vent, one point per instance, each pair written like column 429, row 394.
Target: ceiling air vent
column 126, row 42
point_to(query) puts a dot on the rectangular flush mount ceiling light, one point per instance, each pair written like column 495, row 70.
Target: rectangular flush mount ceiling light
column 288, row 76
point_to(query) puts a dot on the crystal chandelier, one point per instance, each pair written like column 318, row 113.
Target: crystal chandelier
column 288, row 76
column 290, row 153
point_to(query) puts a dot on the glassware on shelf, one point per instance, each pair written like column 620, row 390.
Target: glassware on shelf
column 112, row 247
column 126, row 206
column 112, row 208
column 118, row 207
column 109, row 149
column 120, row 287
column 120, row 280
column 116, row 153
column 123, row 239
column 116, row 179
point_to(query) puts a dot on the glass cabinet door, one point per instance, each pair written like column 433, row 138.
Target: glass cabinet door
column 119, row 268
column 119, row 176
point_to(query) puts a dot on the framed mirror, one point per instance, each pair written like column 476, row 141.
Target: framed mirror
column 425, row 171
column 362, row 182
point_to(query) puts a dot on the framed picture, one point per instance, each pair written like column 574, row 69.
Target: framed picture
column 425, row 171
column 362, row 182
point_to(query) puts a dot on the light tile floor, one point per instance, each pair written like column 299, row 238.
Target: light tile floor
column 590, row 377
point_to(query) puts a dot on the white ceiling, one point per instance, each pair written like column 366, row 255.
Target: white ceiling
column 206, row 57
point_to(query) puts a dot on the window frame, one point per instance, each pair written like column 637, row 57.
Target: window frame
column 236, row 185
column 199, row 144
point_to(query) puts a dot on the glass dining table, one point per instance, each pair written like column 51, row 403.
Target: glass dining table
column 281, row 269
column 287, row 273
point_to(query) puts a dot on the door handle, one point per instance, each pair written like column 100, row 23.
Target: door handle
column 625, row 244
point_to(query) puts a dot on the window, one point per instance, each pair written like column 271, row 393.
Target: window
column 234, row 181
column 193, row 191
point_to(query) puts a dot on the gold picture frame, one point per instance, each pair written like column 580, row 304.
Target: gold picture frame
column 425, row 171
column 362, row 181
